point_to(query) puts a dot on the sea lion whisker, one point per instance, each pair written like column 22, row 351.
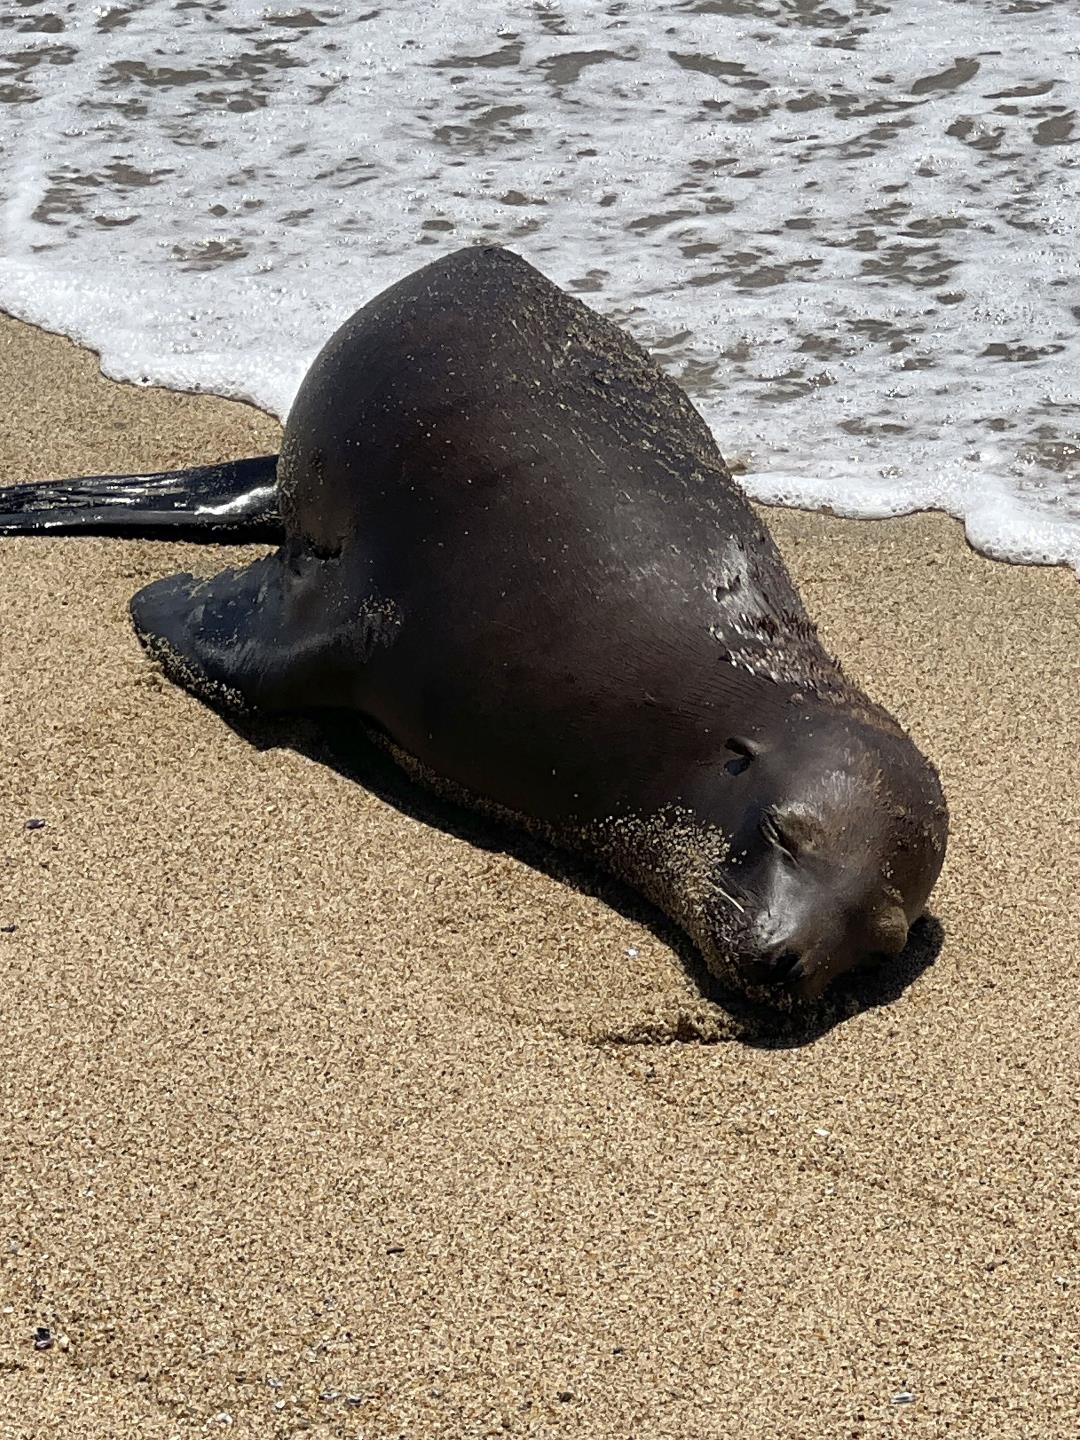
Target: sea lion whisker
column 726, row 895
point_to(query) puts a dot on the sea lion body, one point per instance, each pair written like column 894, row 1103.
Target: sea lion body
column 513, row 548
column 563, row 549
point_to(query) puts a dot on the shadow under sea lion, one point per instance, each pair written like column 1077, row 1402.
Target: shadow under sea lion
column 510, row 549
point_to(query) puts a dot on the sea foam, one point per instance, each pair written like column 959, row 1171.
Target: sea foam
column 852, row 232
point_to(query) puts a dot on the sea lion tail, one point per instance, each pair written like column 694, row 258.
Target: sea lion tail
column 233, row 500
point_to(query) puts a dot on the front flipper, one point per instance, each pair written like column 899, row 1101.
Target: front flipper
column 287, row 632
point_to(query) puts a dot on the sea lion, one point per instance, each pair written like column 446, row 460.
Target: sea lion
column 512, row 550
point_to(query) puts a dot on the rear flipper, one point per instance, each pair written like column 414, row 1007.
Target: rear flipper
column 214, row 502
column 287, row 632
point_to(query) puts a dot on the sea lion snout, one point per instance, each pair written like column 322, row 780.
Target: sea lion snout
column 804, row 955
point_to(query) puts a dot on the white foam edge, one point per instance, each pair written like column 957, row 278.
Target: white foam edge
column 996, row 521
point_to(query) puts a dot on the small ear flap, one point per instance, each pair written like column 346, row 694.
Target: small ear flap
column 890, row 931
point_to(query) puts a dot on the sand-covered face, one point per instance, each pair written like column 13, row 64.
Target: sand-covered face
column 840, row 840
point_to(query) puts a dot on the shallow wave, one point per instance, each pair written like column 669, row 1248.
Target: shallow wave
column 853, row 235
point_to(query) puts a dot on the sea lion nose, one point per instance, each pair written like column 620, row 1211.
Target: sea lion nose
column 783, row 966
column 786, row 968
column 792, row 972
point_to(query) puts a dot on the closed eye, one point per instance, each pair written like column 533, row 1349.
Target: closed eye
column 776, row 835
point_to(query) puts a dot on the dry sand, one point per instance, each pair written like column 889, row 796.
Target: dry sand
column 308, row 1121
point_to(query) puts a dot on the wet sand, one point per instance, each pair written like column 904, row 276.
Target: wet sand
column 319, row 1117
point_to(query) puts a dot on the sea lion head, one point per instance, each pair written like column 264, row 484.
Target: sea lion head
column 838, row 839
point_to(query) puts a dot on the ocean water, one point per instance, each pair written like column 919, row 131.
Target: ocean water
column 851, row 229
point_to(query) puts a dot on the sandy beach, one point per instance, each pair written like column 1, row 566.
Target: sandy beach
column 323, row 1115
